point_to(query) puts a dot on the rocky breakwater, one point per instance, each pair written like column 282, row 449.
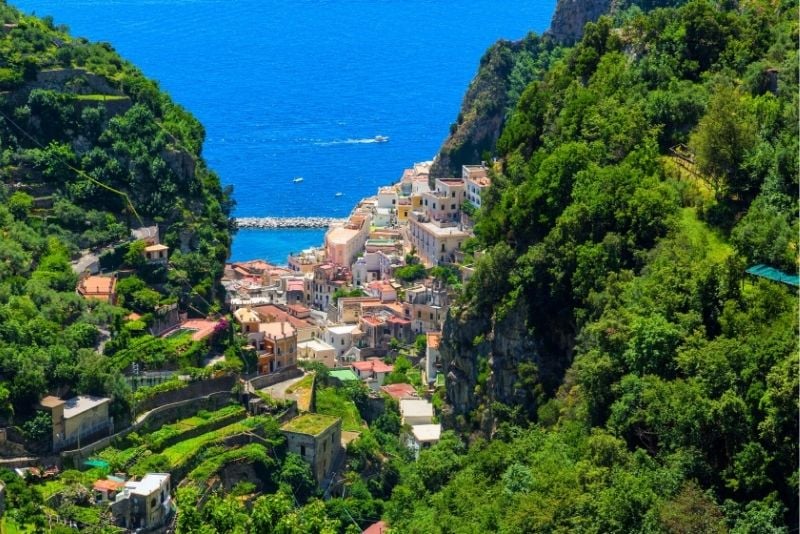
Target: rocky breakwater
column 277, row 223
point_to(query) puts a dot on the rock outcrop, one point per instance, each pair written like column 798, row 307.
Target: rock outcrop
column 571, row 16
column 488, row 361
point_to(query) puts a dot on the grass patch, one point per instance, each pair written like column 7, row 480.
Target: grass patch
column 156, row 440
column 332, row 401
column 251, row 453
column 100, row 97
column 310, row 423
column 717, row 249
column 180, row 453
column 304, row 383
column 303, row 389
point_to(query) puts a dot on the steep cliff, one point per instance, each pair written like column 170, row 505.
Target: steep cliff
column 570, row 16
column 504, row 71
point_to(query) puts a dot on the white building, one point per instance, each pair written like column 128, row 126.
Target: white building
column 341, row 337
column 143, row 504
column 416, row 412
column 316, row 350
column 477, row 183
column 435, row 242
column 422, row 437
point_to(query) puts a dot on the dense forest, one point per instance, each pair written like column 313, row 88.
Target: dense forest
column 629, row 373
column 89, row 150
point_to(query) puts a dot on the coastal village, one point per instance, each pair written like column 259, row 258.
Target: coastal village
column 363, row 312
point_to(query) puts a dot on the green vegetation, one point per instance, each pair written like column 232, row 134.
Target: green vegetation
column 155, row 440
column 251, row 453
column 335, row 402
column 409, row 273
column 633, row 378
column 100, row 151
column 310, row 423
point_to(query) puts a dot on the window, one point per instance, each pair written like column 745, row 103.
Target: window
column 431, row 317
column 442, row 247
column 452, row 194
column 342, row 341
column 302, row 450
column 419, row 315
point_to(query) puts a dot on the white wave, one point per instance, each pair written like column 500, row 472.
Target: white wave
column 363, row 141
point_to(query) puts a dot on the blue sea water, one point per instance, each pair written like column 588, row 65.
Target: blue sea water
column 301, row 88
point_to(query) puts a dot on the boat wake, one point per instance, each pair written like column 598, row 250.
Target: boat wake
column 363, row 141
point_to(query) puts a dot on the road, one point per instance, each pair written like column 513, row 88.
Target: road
column 278, row 391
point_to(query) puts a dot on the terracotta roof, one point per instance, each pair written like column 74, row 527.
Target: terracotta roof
column 377, row 528
column 97, row 285
column 51, row 401
column 294, row 285
column 433, row 339
column 399, row 391
column 156, row 248
column 108, row 485
column 373, row 321
column 376, row 366
column 277, row 330
column 273, row 313
column 202, row 328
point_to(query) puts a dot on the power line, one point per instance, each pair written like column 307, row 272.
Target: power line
column 76, row 170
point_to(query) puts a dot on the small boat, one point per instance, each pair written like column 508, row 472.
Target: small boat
column 298, row 179
column 381, row 138
column 338, row 194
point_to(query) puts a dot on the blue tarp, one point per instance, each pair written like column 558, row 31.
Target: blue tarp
column 772, row 273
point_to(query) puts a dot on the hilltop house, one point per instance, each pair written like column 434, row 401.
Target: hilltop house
column 102, row 288
column 317, row 439
column 77, row 418
column 143, row 504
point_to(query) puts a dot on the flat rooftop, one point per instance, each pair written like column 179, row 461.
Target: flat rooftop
column 427, row 433
column 315, row 344
column 150, row 482
column 438, row 231
column 416, row 408
column 312, row 424
column 82, row 403
column 340, row 235
column 343, row 329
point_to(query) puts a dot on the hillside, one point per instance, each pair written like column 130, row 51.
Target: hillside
column 630, row 375
column 91, row 150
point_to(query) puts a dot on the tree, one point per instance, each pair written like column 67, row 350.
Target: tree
column 296, row 473
column 722, row 139
column 20, row 205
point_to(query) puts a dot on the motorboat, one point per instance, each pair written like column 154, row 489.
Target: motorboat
column 298, row 179
column 381, row 139
column 339, row 194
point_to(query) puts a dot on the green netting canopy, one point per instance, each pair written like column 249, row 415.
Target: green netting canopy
column 344, row 375
column 96, row 462
column 774, row 274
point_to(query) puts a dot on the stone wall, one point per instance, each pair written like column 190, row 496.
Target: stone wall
column 158, row 416
column 200, row 388
column 263, row 381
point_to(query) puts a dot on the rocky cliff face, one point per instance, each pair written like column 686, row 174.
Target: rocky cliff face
column 481, row 117
column 571, row 16
column 487, row 361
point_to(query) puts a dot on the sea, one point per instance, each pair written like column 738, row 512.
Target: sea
column 291, row 89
